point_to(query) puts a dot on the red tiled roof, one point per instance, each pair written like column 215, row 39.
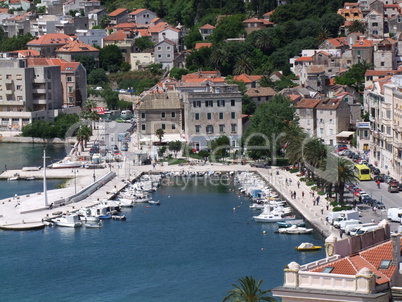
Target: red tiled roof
column 28, row 53
column 118, row 35
column 137, row 11
column 338, row 42
column 199, row 45
column 64, row 65
column 158, row 27
column 261, row 91
column 51, row 39
column 306, row 103
column 363, row 43
column 370, row 258
column 143, row 32
column 381, row 72
column 247, row 78
column 304, row 59
column 329, row 104
column 354, row 4
column 117, row 12
column 77, row 46
column 130, row 25
column 253, row 20
column 269, row 13
column 207, row 26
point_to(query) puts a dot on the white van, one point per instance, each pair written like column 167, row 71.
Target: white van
column 367, row 229
column 345, row 223
column 353, row 231
column 126, row 113
column 347, row 215
column 394, row 214
column 352, row 228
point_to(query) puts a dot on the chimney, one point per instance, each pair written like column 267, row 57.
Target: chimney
column 396, row 249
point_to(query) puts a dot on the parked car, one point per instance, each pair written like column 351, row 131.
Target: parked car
column 376, row 171
column 379, row 178
column 378, row 204
column 393, row 188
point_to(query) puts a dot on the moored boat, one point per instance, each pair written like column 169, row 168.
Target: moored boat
column 288, row 224
column 307, row 246
column 294, row 229
column 154, row 202
column 273, row 217
column 68, row 220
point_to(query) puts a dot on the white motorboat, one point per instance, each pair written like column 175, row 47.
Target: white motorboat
column 154, row 202
column 68, row 220
column 87, row 215
column 273, row 217
column 94, row 225
column 66, row 163
column 294, row 229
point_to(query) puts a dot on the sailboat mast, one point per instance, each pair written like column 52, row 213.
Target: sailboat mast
column 44, row 177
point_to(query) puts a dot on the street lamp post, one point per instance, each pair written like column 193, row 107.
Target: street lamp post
column 75, row 179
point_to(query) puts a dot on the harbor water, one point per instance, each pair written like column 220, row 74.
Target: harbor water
column 192, row 247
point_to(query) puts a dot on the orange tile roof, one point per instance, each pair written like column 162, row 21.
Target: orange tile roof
column 293, row 97
column 247, row 78
column 118, row 35
column 64, row 65
column 137, row 11
column 158, row 27
column 143, row 32
column 155, row 20
column 269, row 13
column 28, row 53
column 370, row 258
column 117, row 12
column 338, row 42
column 307, row 103
column 51, row 39
column 381, row 72
column 363, row 43
column 199, row 45
column 3, row 10
column 329, row 104
column 207, row 26
column 77, row 46
column 130, row 25
column 354, row 4
column 253, row 20
column 304, row 59
column 261, row 91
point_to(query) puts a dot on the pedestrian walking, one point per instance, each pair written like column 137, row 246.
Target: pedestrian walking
column 322, row 210
column 318, row 200
column 341, row 233
column 290, row 181
column 312, row 192
column 302, row 194
column 286, row 181
column 298, row 184
column 294, row 194
column 327, row 205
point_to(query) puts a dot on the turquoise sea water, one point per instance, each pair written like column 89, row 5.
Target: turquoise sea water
column 192, row 247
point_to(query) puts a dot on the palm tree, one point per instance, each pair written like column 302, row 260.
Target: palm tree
column 248, row 291
column 160, row 133
column 218, row 57
column 83, row 136
column 357, row 26
column 243, row 65
column 263, row 40
column 293, row 141
column 339, row 171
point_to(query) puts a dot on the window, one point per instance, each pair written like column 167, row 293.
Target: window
column 69, row 79
column 70, row 99
column 232, row 103
column 197, row 128
column 327, row 270
column 196, row 104
column 143, row 115
column 331, row 121
column 168, row 55
column 163, row 127
column 197, row 116
column 234, row 126
column 19, row 87
column 19, row 76
column 322, row 131
column 221, row 128
column 70, row 89
column 382, row 63
column 209, row 115
column 233, row 115
column 384, row 264
column 173, row 114
column 159, row 48
column 159, row 56
column 163, row 115
column 173, row 126
column 321, row 121
column 168, row 48
column 143, row 127
column 209, row 103
column 221, row 115
column 331, row 131
column 210, row 129
column 9, row 77
column 221, row 103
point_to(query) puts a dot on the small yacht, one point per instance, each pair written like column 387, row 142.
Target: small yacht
column 68, row 220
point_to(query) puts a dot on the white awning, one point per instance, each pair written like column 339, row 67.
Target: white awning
column 345, row 134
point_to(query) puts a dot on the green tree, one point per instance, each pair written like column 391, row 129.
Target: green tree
column 111, row 98
column 177, row 73
column 110, row 58
column 83, row 136
column 293, row 140
column 249, row 290
column 125, row 67
column 354, row 77
column 248, row 105
column 87, row 61
column 229, row 27
column 160, row 133
column 219, row 56
column 220, row 147
column 262, row 137
column 144, row 43
column 98, row 77
column 175, row 147
column 357, row 26
column 243, row 64
column 263, row 40
column 192, row 38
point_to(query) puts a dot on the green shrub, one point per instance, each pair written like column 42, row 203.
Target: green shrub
column 321, row 193
column 343, row 208
column 293, row 170
column 302, row 179
column 311, row 183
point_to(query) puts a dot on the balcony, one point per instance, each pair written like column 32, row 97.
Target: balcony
column 386, row 121
column 40, row 101
column 8, row 81
column 40, row 81
column 39, row 90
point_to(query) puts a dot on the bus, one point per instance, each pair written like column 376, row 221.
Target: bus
column 362, row 172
